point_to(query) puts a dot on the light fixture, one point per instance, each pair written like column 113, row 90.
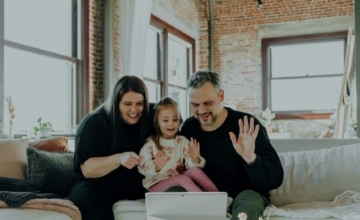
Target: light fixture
column 260, row 5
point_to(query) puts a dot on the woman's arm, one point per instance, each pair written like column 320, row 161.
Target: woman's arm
column 95, row 167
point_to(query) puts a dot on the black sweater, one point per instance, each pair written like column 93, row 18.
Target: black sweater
column 225, row 167
column 93, row 139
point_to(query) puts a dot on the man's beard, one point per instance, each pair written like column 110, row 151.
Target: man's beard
column 211, row 121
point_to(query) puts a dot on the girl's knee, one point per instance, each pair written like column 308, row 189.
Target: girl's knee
column 193, row 171
column 184, row 178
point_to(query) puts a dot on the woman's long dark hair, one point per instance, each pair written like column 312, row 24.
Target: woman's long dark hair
column 111, row 107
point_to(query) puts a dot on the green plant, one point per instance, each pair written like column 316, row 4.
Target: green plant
column 41, row 126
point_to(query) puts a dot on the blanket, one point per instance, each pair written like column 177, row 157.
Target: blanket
column 345, row 206
column 53, row 204
column 15, row 199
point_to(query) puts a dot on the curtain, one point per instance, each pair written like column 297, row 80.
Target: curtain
column 134, row 23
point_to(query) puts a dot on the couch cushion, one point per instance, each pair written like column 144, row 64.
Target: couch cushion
column 129, row 210
column 318, row 175
column 51, row 169
column 51, row 144
column 13, row 158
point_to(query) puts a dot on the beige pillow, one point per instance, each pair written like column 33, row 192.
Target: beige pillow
column 318, row 175
column 13, row 158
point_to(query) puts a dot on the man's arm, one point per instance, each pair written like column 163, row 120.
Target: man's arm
column 263, row 164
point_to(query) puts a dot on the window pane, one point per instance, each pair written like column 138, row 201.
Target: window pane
column 301, row 59
column 40, row 87
column 44, row 24
column 153, row 90
column 151, row 55
column 179, row 95
column 177, row 61
column 305, row 94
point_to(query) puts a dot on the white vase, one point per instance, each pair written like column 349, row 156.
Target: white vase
column 44, row 132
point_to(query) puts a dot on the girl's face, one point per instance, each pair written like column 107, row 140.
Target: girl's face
column 169, row 122
column 131, row 107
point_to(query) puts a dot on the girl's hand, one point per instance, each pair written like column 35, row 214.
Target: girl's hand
column 129, row 159
column 180, row 168
column 160, row 160
column 244, row 144
column 194, row 150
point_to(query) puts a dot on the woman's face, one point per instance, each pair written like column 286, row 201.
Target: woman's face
column 131, row 107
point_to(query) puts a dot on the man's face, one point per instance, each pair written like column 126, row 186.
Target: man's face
column 205, row 104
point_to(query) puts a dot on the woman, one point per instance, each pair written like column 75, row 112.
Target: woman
column 107, row 144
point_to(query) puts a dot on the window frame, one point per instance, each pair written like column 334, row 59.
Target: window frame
column 163, row 62
column 79, row 48
column 266, row 78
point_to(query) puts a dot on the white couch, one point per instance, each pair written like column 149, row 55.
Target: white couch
column 316, row 171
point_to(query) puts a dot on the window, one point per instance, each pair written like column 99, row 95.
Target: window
column 303, row 75
column 39, row 52
column 168, row 63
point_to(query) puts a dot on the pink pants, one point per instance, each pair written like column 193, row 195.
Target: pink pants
column 192, row 180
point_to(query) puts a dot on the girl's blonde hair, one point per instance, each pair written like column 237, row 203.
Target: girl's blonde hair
column 161, row 105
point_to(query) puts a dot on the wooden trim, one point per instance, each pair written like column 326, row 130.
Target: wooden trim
column 82, row 79
column 171, row 29
column 2, row 61
column 307, row 116
column 357, row 63
column 304, row 38
column 39, row 51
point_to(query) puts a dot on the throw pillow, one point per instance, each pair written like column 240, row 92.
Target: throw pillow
column 13, row 158
column 51, row 169
column 51, row 144
column 318, row 175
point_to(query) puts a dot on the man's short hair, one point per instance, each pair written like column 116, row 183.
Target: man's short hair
column 199, row 78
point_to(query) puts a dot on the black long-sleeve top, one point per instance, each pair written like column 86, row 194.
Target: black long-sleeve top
column 225, row 167
column 93, row 139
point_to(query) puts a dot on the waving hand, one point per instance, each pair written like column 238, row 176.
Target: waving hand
column 244, row 144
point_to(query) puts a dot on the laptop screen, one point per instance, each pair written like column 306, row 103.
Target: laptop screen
column 168, row 205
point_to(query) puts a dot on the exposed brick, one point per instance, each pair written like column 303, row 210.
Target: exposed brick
column 235, row 35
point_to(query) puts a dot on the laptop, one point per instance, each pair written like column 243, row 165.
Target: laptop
column 186, row 205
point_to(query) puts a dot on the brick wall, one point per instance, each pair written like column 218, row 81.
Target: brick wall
column 116, row 39
column 96, row 52
column 237, row 54
column 236, row 35
column 237, row 51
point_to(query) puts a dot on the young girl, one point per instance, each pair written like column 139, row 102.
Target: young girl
column 165, row 150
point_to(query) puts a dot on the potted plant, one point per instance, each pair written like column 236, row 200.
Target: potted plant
column 42, row 129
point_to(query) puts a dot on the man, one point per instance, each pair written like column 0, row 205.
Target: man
column 240, row 159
